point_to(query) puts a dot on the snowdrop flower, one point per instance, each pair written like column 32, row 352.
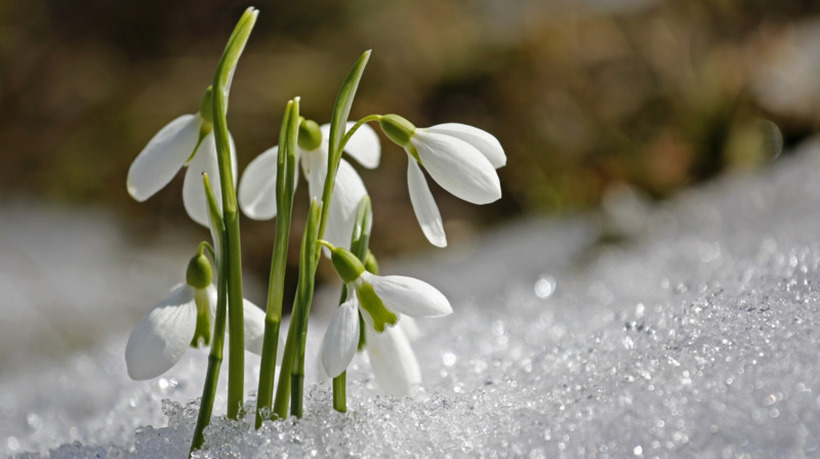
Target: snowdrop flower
column 392, row 359
column 381, row 300
column 184, row 318
column 185, row 141
column 461, row 158
column 257, row 188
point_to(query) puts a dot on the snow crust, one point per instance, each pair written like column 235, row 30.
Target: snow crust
column 697, row 336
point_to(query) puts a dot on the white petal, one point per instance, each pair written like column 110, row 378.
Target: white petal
column 344, row 203
column 314, row 165
column 482, row 140
column 458, row 167
column 193, row 191
column 162, row 335
column 424, row 205
column 409, row 296
column 254, row 327
column 364, row 146
column 410, row 327
column 257, row 188
column 254, row 319
column 162, row 158
column 393, row 361
column 213, row 296
column 341, row 339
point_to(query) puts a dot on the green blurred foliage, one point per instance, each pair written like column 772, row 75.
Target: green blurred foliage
column 582, row 95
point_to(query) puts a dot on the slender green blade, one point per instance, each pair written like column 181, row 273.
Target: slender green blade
column 341, row 111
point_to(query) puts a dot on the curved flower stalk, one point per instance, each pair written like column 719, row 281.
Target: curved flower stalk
column 187, row 141
column 462, row 159
column 184, row 318
column 257, row 188
column 382, row 300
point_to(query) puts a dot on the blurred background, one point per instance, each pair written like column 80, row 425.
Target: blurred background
column 598, row 103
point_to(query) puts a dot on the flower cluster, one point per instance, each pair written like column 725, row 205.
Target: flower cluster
column 377, row 311
column 462, row 159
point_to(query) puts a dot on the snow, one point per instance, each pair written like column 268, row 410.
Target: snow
column 695, row 336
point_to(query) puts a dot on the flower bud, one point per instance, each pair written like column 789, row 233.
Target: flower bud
column 206, row 106
column 310, row 135
column 199, row 273
column 370, row 263
column 346, row 264
column 397, row 129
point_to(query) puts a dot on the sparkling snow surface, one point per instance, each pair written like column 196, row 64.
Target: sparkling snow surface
column 697, row 336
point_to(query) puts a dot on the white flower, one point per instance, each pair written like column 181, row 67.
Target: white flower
column 185, row 141
column 394, row 363
column 462, row 159
column 382, row 300
column 162, row 335
column 257, row 189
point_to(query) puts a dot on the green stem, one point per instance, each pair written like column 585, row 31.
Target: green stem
column 214, row 364
column 286, row 174
column 206, row 405
column 292, row 371
column 304, row 298
column 355, row 128
column 293, row 362
column 340, row 392
column 232, row 248
column 358, row 245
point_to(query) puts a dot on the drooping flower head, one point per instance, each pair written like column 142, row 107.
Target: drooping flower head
column 184, row 318
column 187, row 141
column 257, row 188
column 382, row 300
column 462, row 159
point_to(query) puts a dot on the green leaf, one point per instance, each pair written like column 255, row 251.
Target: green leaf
column 217, row 224
column 341, row 111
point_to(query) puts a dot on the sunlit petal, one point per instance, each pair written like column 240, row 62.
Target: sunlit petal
column 257, row 188
column 393, row 361
column 483, row 141
column 364, row 146
column 410, row 328
column 254, row 327
column 193, row 191
column 409, row 296
column 314, row 165
column 341, row 339
column 162, row 158
column 347, row 193
column 458, row 167
column 424, row 205
column 162, row 335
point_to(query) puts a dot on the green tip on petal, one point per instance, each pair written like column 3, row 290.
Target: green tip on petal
column 370, row 302
column 310, row 135
column 199, row 274
column 202, row 333
column 397, row 128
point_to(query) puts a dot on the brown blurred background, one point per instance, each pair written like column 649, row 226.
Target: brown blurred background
column 585, row 96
